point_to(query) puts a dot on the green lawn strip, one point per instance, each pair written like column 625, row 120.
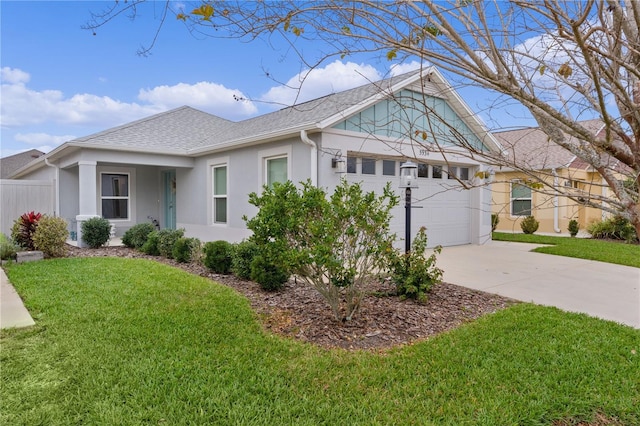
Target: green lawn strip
column 124, row 341
column 604, row 251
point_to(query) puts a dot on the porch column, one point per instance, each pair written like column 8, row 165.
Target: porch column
column 87, row 195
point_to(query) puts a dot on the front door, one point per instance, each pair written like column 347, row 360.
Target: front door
column 169, row 183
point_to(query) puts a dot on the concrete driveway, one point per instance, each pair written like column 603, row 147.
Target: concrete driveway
column 599, row 289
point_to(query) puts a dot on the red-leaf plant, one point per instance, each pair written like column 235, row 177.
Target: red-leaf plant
column 28, row 224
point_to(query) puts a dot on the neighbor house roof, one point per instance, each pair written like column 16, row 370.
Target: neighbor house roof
column 532, row 149
column 8, row 165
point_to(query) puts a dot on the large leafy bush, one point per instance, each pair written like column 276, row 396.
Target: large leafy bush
column 334, row 244
column 51, row 235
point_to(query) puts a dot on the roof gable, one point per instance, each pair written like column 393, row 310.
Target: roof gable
column 10, row 164
column 532, row 149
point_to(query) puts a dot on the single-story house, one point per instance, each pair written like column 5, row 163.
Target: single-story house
column 189, row 169
column 514, row 197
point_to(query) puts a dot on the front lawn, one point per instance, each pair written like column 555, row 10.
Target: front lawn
column 584, row 248
column 129, row 341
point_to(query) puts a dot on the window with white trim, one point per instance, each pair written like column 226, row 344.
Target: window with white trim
column 220, row 193
column 423, row 170
column 352, row 163
column 276, row 169
column 388, row 168
column 520, row 199
column 368, row 166
column 436, row 172
column 114, row 195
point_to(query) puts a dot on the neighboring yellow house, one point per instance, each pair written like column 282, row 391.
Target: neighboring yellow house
column 513, row 196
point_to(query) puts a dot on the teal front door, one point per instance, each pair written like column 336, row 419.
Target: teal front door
column 169, row 183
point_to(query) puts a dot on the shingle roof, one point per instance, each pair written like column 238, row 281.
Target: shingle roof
column 10, row 164
column 311, row 112
column 532, row 149
column 177, row 130
column 185, row 129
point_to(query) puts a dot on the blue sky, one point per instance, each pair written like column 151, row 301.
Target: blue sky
column 60, row 82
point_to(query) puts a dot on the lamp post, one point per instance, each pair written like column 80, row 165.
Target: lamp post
column 408, row 179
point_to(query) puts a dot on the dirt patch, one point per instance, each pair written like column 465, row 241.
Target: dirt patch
column 383, row 320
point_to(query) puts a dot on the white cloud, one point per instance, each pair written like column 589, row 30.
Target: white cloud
column 404, row 67
column 14, row 76
column 23, row 106
column 211, row 97
column 311, row 84
column 42, row 139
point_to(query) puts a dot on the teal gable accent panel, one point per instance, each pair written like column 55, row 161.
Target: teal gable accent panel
column 409, row 113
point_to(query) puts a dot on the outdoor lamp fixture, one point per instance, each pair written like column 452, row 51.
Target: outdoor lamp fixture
column 408, row 180
column 338, row 163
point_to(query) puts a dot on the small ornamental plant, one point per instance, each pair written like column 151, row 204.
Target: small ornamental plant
column 529, row 225
column 218, row 256
column 96, row 232
column 573, row 228
column 23, row 229
column 51, row 236
column 137, row 235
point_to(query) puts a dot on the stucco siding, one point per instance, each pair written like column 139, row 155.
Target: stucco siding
column 245, row 174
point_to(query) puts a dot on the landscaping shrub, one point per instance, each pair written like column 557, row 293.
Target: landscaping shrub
column 414, row 274
column 573, row 227
column 185, row 249
column 150, row 246
column 23, row 229
column 137, row 235
column 51, row 236
column 8, row 248
column 268, row 274
column 529, row 225
column 96, row 232
column 218, row 256
column 243, row 255
column 166, row 240
column 616, row 228
column 495, row 220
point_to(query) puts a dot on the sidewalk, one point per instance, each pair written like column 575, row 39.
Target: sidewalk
column 12, row 310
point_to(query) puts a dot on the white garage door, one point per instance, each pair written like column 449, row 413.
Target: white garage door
column 440, row 205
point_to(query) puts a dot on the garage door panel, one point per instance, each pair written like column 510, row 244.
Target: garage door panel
column 445, row 212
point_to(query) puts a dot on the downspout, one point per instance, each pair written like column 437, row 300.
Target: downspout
column 556, row 226
column 57, row 189
column 314, row 156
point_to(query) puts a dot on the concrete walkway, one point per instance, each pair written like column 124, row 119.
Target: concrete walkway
column 12, row 310
column 599, row 289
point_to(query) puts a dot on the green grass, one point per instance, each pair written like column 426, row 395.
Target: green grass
column 604, row 251
column 126, row 341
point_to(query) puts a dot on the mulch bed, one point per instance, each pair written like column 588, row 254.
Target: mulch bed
column 383, row 320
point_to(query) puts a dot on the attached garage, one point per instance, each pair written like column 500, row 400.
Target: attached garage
column 440, row 204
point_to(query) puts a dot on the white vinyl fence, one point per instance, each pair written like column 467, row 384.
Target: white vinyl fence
column 21, row 196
